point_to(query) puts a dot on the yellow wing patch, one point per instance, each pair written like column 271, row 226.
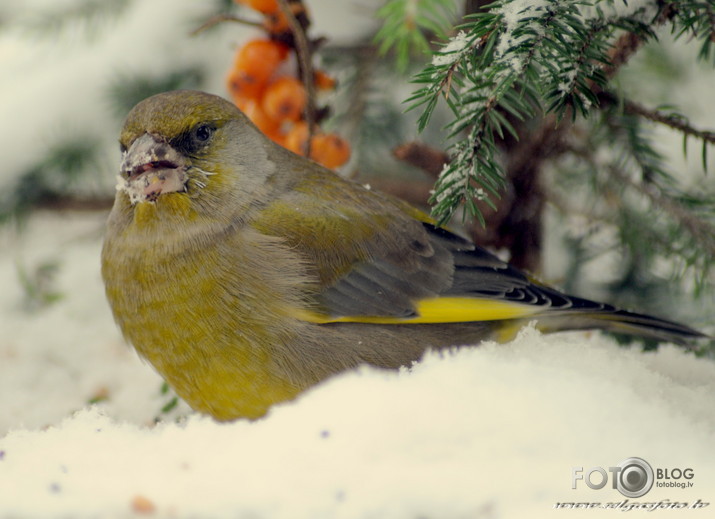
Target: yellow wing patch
column 439, row 310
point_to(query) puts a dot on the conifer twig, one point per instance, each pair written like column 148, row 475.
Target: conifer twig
column 698, row 228
column 671, row 120
column 626, row 46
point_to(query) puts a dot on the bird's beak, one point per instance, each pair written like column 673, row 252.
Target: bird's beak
column 150, row 168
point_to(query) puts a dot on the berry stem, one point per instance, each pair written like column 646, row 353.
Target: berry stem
column 220, row 18
column 303, row 53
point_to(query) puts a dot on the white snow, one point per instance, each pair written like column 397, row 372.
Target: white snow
column 513, row 15
column 452, row 51
column 643, row 10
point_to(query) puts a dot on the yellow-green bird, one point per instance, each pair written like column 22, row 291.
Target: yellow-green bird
column 245, row 274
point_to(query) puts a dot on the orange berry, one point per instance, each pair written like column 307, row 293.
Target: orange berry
column 261, row 56
column 255, row 113
column 284, row 99
column 296, row 137
column 263, row 6
column 243, row 86
column 323, row 81
column 254, row 65
column 143, row 505
column 330, row 150
column 277, row 23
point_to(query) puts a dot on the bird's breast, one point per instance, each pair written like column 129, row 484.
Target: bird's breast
column 204, row 315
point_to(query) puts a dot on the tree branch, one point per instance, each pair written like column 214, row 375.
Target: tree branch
column 428, row 159
column 629, row 43
column 674, row 121
column 220, row 18
column 305, row 63
column 702, row 231
column 626, row 46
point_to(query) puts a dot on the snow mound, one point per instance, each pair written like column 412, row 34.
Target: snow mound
column 492, row 431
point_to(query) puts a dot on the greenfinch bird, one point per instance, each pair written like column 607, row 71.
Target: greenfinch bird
column 245, row 273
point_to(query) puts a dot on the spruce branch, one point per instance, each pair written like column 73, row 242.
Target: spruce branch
column 513, row 58
column 626, row 46
column 685, row 231
column 652, row 216
column 677, row 122
column 500, row 80
column 673, row 120
column 516, row 77
column 701, row 231
column 696, row 18
column 406, row 23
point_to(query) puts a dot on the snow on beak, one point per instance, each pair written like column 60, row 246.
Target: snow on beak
column 151, row 167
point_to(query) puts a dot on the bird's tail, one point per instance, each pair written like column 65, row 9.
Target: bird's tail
column 619, row 321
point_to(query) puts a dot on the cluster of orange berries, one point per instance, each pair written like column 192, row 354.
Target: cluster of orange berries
column 275, row 101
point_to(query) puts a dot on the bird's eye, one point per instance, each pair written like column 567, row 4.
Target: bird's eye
column 203, row 132
column 195, row 138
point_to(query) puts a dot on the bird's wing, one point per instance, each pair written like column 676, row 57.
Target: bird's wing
column 375, row 259
column 378, row 260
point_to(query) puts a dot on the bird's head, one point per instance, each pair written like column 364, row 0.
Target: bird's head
column 191, row 146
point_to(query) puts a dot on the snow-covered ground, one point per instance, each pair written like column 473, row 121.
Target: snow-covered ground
column 493, row 431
